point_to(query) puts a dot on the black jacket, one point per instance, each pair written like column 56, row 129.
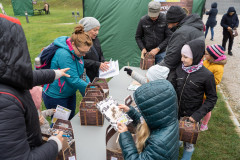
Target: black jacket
column 190, row 28
column 19, row 123
column 212, row 15
column 151, row 34
column 229, row 21
column 190, row 87
column 92, row 60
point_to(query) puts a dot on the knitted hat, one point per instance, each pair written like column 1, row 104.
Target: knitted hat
column 175, row 14
column 89, row 23
column 217, row 52
column 154, row 9
column 157, row 72
column 186, row 50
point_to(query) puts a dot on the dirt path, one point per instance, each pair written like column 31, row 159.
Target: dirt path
column 231, row 78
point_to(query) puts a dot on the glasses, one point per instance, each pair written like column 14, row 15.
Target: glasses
column 82, row 53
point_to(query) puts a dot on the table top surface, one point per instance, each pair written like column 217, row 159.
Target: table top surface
column 90, row 140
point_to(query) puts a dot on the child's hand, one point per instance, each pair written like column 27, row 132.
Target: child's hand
column 59, row 135
column 191, row 119
column 124, row 107
column 41, row 120
column 122, row 127
column 63, row 72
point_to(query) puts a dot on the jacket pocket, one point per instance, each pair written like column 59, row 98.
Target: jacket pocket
column 193, row 83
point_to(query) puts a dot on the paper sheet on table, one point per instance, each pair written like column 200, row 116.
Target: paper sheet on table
column 61, row 113
column 112, row 71
column 133, row 86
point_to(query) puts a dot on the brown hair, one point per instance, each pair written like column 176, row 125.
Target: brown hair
column 81, row 38
column 142, row 133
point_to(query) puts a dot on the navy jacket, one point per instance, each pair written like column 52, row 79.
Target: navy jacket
column 157, row 102
column 229, row 21
column 212, row 15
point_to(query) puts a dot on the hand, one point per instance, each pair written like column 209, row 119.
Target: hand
column 59, row 135
column 41, row 120
column 191, row 119
column 104, row 66
column 122, row 127
column 154, row 51
column 123, row 107
column 229, row 28
column 63, row 72
column 129, row 71
column 144, row 51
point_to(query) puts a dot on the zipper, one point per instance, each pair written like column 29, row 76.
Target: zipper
column 182, row 90
column 193, row 83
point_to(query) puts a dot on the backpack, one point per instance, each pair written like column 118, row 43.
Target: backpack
column 43, row 60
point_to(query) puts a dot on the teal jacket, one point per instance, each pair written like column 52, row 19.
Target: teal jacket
column 64, row 58
column 157, row 102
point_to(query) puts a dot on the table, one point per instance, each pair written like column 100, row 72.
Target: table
column 90, row 140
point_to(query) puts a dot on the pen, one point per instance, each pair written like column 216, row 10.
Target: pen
column 63, row 135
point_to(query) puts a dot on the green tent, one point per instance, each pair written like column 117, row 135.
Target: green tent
column 20, row 6
column 119, row 20
column 198, row 7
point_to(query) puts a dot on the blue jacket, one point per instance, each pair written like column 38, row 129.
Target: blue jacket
column 212, row 15
column 157, row 102
column 64, row 58
column 229, row 21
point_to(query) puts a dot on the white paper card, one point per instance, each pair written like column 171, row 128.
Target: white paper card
column 112, row 71
column 61, row 113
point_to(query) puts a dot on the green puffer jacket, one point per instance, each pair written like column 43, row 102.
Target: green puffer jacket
column 157, row 102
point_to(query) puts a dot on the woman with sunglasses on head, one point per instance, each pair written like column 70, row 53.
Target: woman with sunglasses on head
column 69, row 55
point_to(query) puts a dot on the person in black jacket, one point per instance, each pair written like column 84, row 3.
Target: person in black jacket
column 152, row 33
column 19, row 123
column 192, row 81
column 185, row 28
column 229, row 22
column 211, row 22
column 94, row 59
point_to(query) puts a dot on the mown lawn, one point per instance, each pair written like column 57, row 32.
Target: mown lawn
column 220, row 142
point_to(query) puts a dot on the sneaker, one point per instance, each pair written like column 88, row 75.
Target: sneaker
column 203, row 127
column 211, row 39
column 230, row 53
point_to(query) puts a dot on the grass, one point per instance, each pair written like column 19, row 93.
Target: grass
column 220, row 142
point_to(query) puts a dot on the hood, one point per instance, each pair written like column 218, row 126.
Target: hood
column 193, row 20
column 61, row 43
column 198, row 48
column 231, row 9
column 15, row 62
column 214, row 5
column 222, row 62
column 157, row 102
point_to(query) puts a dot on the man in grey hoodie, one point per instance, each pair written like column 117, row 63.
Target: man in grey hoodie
column 185, row 28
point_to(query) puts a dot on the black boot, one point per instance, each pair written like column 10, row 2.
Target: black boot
column 230, row 53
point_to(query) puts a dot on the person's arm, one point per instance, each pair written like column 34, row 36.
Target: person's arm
column 167, row 35
column 223, row 22
column 211, row 99
column 173, row 53
column 14, row 141
column 209, row 12
column 237, row 23
column 91, row 63
column 44, row 76
column 48, row 112
column 65, row 61
column 218, row 74
column 139, row 35
column 139, row 78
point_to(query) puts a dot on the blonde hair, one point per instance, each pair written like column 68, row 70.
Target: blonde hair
column 81, row 38
column 142, row 133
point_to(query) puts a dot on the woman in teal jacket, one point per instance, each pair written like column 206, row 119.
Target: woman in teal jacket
column 157, row 135
column 69, row 55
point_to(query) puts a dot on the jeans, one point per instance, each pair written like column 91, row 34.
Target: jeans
column 69, row 103
column 212, row 32
column 159, row 57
